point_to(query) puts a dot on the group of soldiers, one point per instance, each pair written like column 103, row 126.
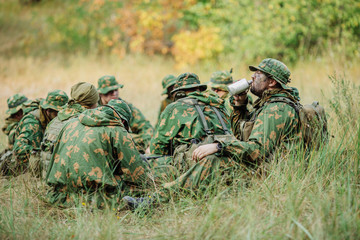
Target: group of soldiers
column 99, row 148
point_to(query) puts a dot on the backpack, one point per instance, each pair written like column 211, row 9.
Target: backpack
column 313, row 122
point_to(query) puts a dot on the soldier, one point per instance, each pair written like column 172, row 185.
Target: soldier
column 218, row 83
column 96, row 158
column 168, row 83
column 181, row 122
column 273, row 124
column 141, row 128
column 31, row 128
column 15, row 112
column 83, row 96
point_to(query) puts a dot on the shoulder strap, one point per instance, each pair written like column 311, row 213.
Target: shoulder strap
column 226, row 130
column 296, row 105
column 203, row 120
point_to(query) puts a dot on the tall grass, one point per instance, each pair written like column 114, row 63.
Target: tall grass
column 298, row 199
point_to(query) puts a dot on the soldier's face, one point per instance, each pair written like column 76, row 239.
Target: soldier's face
column 260, row 83
column 219, row 92
column 51, row 113
column 105, row 98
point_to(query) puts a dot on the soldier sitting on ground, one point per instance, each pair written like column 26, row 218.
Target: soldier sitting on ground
column 140, row 127
column 96, row 159
column 272, row 125
column 83, row 96
column 168, row 83
column 15, row 114
column 29, row 133
column 181, row 122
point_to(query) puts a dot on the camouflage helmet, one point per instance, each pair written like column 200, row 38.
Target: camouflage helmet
column 55, row 100
column 220, row 80
column 108, row 83
column 276, row 69
column 122, row 108
column 187, row 81
column 15, row 103
column 168, row 81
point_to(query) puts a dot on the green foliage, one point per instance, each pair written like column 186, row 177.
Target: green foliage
column 249, row 29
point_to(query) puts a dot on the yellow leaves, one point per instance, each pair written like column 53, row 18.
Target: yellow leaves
column 192, row 46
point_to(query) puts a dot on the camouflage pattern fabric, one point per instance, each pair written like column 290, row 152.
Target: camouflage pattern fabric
column 52, row 131
column 28, row 137
column 108, row 83
column 180, row 123
column 274, row 125
column 168, row 81
column 96, row 158
column 15, row 103
column 55, row 100
column 31, row 128
column 276, row 69
column 187, row 81
column 164, row 104
column 9, row 129
column 141, row 129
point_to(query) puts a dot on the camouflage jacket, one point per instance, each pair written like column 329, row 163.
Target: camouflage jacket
column 180, row 123
column 95, row 152
column 28, row 136
column 164, row 104
column 274, row 124
column 141, row 129
column 9, row 129
column 53, row 129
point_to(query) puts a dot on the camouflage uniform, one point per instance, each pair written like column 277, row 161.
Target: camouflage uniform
column 140, row 127
column 97, row 158
column 167, row 82
column 180, row 122
column 83, row 95
column 220, row 80
column 31, row 127
column 270, row 126
column 15, row 104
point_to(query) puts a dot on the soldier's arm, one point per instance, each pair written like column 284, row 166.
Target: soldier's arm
column 28, row 138
column 240, row 113
column 272, row 126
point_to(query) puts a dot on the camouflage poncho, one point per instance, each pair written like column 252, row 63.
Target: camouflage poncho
column 180, row 123
column 53, row 129
column 95, row 155
column 141, row 129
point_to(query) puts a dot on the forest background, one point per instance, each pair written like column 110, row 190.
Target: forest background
column 53, row 44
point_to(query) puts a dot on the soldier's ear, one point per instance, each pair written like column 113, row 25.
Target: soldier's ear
column 272, row 82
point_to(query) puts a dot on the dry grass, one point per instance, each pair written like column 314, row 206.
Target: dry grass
column 319, row 203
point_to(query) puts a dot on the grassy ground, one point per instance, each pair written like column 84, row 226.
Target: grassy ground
column 297, row 200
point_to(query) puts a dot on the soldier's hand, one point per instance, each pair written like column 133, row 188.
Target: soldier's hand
column 240, row 99
column 203, row 151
